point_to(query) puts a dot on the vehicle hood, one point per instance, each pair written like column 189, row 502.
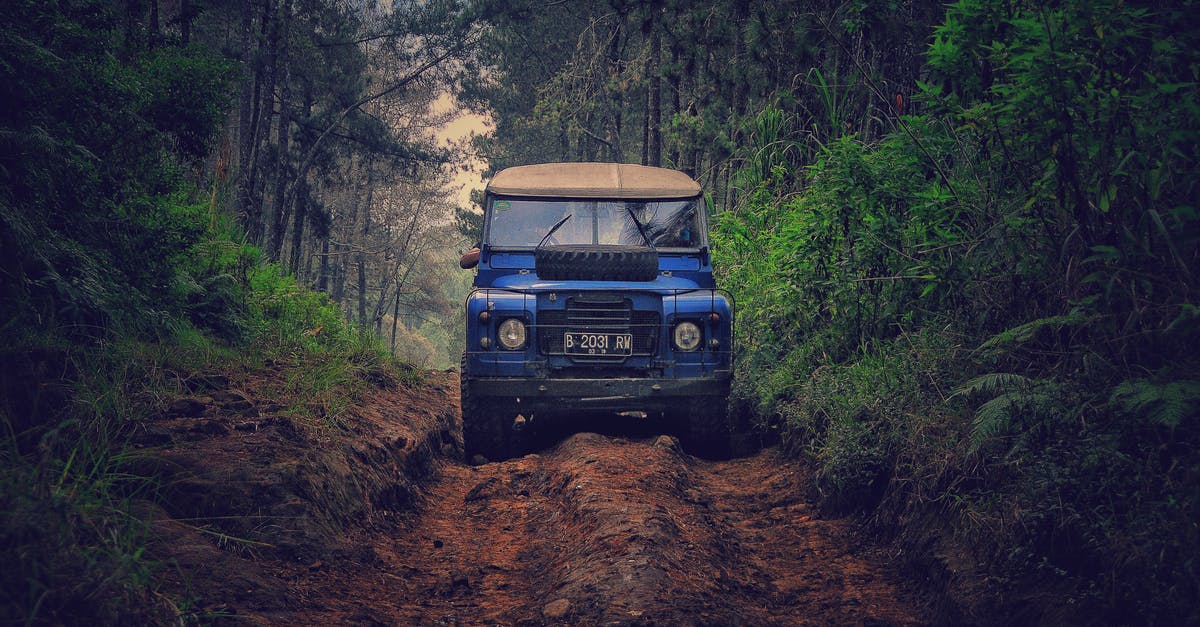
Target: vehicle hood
column 531, row 283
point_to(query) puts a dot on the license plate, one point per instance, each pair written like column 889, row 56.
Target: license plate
column 598, row 344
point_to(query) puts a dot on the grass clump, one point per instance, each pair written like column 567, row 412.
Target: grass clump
column 74, row 521
column 73, row 534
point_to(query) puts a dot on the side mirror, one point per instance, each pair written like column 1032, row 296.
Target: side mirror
column 469, row 260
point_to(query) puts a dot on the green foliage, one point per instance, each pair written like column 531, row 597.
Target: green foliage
column 469, row 223
column 117, row 276
column 1029, row 331
column 73, row 540
column 867, row 249
column 74, row 508
column 1037, row 209
column 1094, row 105
column 833, row 98
column 1015, row 402
column 187, row 94
column 290, row 319
column 852, row 418
column 94, row 213
column 74, row 524
column 1167, row 404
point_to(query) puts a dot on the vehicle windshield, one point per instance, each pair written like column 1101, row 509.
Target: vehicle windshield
column 522, row 222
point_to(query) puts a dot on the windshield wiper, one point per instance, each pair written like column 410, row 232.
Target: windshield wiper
column 641, row 229
column 552, row 230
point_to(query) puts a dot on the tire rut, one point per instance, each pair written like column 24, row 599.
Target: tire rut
column 813, row 570
column 380, row 523
column 603, row 530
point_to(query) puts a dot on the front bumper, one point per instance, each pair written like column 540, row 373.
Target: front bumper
column 615, row 394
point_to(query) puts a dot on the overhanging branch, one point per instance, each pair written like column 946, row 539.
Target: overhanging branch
column 306, row 163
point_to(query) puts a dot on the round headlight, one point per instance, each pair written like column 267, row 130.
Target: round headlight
column 687, row 336
column 512, row 334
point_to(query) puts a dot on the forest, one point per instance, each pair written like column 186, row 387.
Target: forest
column 962, row 238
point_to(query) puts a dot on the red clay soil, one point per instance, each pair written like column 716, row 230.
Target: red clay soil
column 593, row 530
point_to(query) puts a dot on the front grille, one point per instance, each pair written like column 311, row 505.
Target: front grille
column 598, row 315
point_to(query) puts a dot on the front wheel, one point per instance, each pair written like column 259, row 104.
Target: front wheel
column 703, row 427
column 487, row 425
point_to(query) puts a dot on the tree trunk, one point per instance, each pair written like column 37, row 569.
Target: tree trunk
column 362, row 243
column 342, row 258
column 323, row 271
column 337, row 276
column 247, row 100
column 362, row 289
column 687, row 87
column 284, row 136
column 741, row 12
column 185, row 21
column 403, row 252
column 731, row 193
column 132, row 19
column 301, row 200
column 676, row 85
column 299, row 222
column 381, row 304
column 308, row 261
column 564, row 139
column 154, row 35
column 395, row 317
column 654, row 97
column 262, row 125
column 615, row 92
column 646, row 130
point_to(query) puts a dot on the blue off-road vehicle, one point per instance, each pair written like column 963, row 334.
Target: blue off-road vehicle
column 594, row 293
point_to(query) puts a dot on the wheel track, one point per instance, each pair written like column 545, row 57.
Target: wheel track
column 620, row 531
column 594, row 529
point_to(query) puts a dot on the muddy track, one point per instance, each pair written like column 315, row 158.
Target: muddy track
column 594, row 529
column 602, row 530
column 609, row 530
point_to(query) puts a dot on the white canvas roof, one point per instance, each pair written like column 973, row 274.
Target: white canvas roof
column 593, row 180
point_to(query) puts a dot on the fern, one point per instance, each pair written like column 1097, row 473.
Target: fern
column 994, row 383
column 1165, row 404
column 1023, row 333
column 1012, row 396
column 996, row 417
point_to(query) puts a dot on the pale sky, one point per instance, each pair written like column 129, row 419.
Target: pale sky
column 459, row 130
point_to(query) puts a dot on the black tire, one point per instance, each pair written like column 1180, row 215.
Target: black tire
column 585, row 262
column 702, row 426
column 486, row 423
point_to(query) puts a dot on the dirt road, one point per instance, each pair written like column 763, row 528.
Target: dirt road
column 605, row 530
column 594, row 529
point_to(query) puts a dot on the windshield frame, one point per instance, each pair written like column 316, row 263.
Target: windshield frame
column 701, row 219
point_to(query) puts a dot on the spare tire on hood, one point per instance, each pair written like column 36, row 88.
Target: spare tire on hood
column 591, row 262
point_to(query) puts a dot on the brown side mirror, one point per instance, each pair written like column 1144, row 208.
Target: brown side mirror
column 469, row 260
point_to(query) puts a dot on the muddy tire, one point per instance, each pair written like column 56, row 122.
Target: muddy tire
column 585, row 262
column 702, row 426
column 486, row 423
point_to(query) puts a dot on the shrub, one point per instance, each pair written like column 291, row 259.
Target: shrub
column 1038, row 212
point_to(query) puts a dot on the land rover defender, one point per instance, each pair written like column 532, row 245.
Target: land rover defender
column 594, row 292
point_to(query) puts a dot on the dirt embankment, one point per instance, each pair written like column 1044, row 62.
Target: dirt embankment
column 379, row 523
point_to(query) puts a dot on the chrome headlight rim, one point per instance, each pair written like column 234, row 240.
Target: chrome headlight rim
column 511, row 334
column 687, row 336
